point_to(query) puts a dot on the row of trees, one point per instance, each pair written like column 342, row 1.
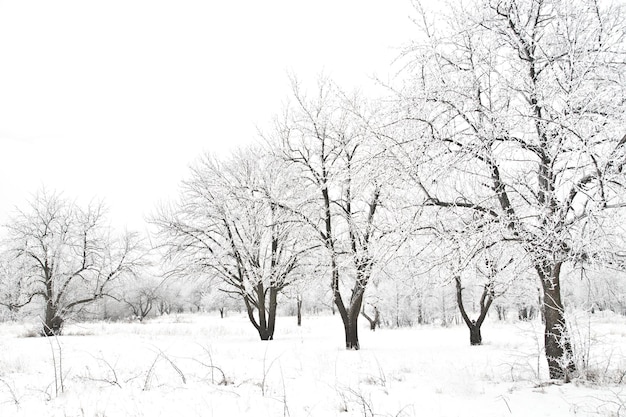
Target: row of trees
column 497, row 159
column 506, row 136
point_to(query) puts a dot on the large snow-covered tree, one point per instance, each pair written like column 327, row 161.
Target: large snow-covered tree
column 225, row 227
column 326, row 140
column 67, row 255
column 514, row 116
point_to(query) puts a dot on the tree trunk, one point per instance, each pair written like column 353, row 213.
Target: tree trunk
column 522, row 313
column 350, row 315
column 260, row 293
column 542, row 306
column 397, row 308
column 53, row 323
column 271, row 319
column 299, row 310
column 420, row 314
column 265, row 325
column 558, row 348
column 221, row 312
column 352, row 331
column 475, row 336
column 264, row 334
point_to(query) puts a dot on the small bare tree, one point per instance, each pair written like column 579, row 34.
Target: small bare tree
column 488, row 269
column 142, row 295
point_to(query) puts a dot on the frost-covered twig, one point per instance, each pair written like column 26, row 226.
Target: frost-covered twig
column 150, row 373
column 266, row 370
column 11, row 389
column 212, row 367
column 112, row 381
column 59, row 385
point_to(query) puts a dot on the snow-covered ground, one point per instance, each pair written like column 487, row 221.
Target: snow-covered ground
column 195, row 365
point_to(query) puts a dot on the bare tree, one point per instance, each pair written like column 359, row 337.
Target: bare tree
column 214, row 299
column 516, row 109
column 405, row 294
column 68, row 256
column 142, row 295
column 224, row 226
column 488, row 269
column 301, row 289
column 331, row 151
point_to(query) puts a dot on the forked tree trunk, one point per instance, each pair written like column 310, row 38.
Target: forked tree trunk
column 350, row 326
column 350, row 315
column 558, row 347
column 375, row 321
column 266, row 311
column 474, row 325
column 501, row 310
column 265, row 330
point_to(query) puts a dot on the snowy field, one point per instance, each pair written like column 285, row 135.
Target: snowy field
column 189, row 365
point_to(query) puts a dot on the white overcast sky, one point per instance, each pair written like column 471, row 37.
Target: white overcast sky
column 114, row 99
